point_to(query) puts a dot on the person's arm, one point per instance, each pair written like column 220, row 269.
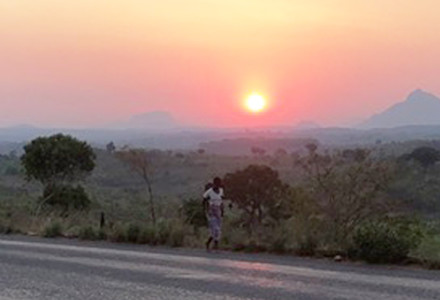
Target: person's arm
column 222, row 206
column 206, row 202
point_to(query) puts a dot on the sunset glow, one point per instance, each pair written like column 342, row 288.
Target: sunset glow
column 91, row 63
column 256, row 103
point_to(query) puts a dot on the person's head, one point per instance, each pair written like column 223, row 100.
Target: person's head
column 217, row 182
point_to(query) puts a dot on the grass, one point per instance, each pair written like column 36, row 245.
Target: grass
column 428, row 253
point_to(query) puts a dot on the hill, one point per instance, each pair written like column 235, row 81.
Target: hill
column 419, row 108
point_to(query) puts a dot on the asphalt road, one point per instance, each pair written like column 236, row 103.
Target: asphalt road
column 32, row 268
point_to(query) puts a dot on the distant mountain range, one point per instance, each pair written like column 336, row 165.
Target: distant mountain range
column 155, row 120
column 419, row 108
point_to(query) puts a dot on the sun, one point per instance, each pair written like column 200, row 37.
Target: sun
column 255, row 103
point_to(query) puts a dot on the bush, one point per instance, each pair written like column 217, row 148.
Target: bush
column 148, row 235
column 194, row 213
column 91, row 233
column 118, row 234
column 6, row 229
column 163, row 232
column 66, row 197
column 306, row 246
column 133, row 233
column 385, row 241
column 53, row 230
column 176, row 236
column 428, row 252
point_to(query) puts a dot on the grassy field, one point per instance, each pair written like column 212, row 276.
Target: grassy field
column 179, row 178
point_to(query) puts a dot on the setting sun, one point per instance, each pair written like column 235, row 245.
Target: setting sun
column 255, row 103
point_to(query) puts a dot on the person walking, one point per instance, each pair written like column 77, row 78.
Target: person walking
column 214, row 210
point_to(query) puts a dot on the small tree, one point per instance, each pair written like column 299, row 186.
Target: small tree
column 57, row 161
column 110, row 147
column 257, row 190
column 348, row 188
column 139, row 161
column 425, row 156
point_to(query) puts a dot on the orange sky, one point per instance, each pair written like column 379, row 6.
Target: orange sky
column 91, row 62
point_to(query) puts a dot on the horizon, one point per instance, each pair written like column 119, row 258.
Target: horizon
column 89, row 65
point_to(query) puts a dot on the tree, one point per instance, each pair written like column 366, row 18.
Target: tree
column 348, row 187
column 139, row 161
column 257, row 190
column 258, row 151
column 57, row 161
column 426, row 156
column 110, row 147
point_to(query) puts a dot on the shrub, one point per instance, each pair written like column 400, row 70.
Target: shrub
column 88, row 233
column 148, row 235
column 428, row 252
column 306, row 246
column 66, row 197
column 133, row 233
column 194, row 213
column 53, row 230
column 6, row 229
column 176, row 236
column 118, row 234
column 163, row 232
column 385, row 241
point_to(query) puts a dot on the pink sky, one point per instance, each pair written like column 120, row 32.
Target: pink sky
column 89, row 63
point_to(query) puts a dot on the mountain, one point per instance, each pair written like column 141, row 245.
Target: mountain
column 307, row 125
column 419, row 108
column 156, row 120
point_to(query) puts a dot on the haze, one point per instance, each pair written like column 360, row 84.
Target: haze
column 90, row 63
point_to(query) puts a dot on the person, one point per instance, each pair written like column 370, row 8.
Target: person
column 214, row 210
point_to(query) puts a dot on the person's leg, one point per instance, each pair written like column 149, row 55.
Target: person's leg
column 211, row 224
column 208, row 243
column 217, row 232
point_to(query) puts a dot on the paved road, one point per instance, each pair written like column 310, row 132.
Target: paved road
column 32, row 268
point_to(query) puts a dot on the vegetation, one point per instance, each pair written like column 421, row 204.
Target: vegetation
column 139, row 161
column 386, row 241
column 359, row 203
column 58, row 161
column 258, row 192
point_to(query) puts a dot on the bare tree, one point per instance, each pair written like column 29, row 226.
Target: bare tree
column 139, row 162
column 348, row 187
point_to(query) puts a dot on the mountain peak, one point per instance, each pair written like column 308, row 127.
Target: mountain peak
column 419, row 108
column 421, row 95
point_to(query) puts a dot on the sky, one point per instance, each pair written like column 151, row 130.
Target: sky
column 88, row 63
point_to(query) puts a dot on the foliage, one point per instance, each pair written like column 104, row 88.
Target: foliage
column 425, row 156
column 133, row 232
column 58, row 158
column 194, row 213
column 91, row 233
column 147, row 235
column 66, row 197
column 428, row 252
column 140, row 161
column 53, row 229
column 386, row 241
column 258, row 191
column 348, row 188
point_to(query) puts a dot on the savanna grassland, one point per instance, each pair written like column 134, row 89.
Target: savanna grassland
column 377, row 203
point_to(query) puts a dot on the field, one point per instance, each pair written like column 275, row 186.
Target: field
column 333, row 196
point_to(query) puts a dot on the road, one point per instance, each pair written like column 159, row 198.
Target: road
column 33, row 268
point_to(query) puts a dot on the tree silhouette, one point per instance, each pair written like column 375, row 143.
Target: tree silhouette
column 139, row 162
column 57, row 162
column 255, row 190
column 425, row 156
